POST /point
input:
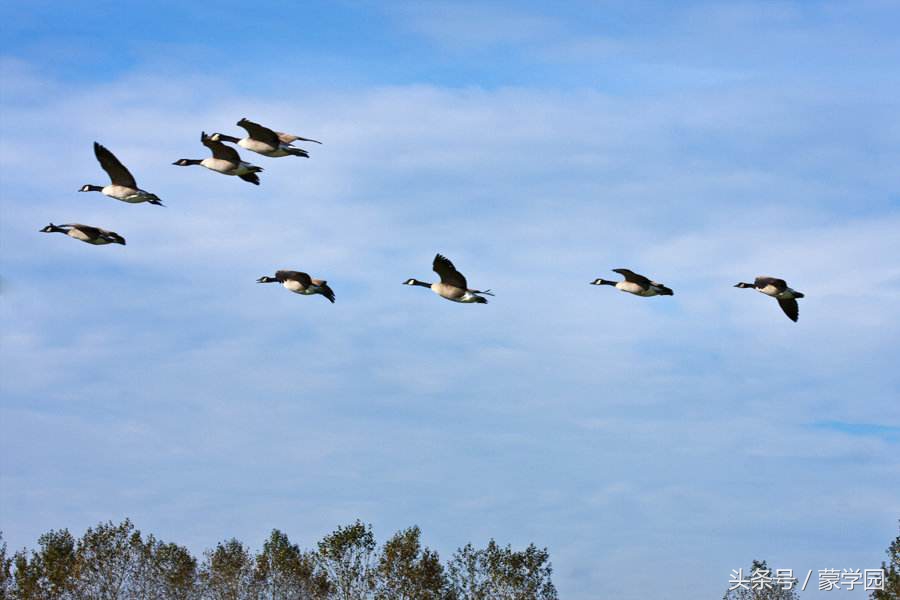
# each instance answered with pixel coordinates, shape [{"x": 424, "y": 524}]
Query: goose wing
[
  {"x": 289, "y": 138},
  {"x": 220, "y": 150},
  {"x": 790, "y": 308},
  {"x": 260, "y": 133},
  {"x": 325, "y": 290},
  {"x": 633, "y": 277},
  {"x": 88, "y": 230},
  {"x": 302, "y": 278},
  {"x": 448, "y": 273},
  {"x": 780, "y": 285},
  {"x": 117, "y": 172}
]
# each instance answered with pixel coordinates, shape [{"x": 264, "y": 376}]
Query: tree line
[{"x": 116, "y": 562}]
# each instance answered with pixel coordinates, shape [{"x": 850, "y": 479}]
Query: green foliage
[
  {"x": 115, "y": 562},
  {"x": 497, "y": 573},
  {"x": 406, "y": 571},
  {"x": 891, "y": 569},
  {"x": 284, "y": 571},
  {"x": 227, "y": 573},
  {"x": 347, "y": 556}
]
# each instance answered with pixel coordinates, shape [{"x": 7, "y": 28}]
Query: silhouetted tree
[
  {"x": 407, "y": 572},
  {"x": 497, "y": 573},
  {"x": 891, "y": 569}
]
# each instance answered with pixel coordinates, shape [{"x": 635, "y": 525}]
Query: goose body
[
  {"x": 300, "y": 283},
  {"x": 122, "y": 184},
  {"x": 453, "y": 285},
  {"x": 86, "y": 233},
  {"x": 265, "y": 141},
  {"x": 636, "y": 284},
  {"x": 224, "y": 160},
  {"x": 778, "y": 289}
]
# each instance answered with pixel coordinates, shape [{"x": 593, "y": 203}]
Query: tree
[
  {"x": 115, "y": 562},
  {"x": 891, "y": 570},
  {"x": 347, "y": 556},
  {"x": 110, "y": 560},
  {"x": 227, "y": 573},
  {"x": 407, "y": 572},
  {"x": 50, "y": 572},
  {"x": 6, "y": 577},
  {"x": 761, "y": 591},
  {"x": 497, "y": 573},
  {"x": 283, "y": 571},
  {"x": 171, "y": 572}
]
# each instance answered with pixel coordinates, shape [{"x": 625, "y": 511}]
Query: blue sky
[{"x": 538, "y": 147}]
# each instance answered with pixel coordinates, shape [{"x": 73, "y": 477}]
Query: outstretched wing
[
  {"x": 260, "y": 133},
  {"x": 289, "y": 138},
  {"x": 448, "y": 273},
  {"x": 780, "y": 285},
  {"x": 297, "y": 276},
  {"x": 117, "y": 172},
  {"x": 220, "y": 150},
  {"x": 634, "y": 278},
  {"x": 790, "y": 308}
]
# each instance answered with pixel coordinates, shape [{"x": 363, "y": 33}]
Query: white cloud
[{"x": 568, "y": 415}]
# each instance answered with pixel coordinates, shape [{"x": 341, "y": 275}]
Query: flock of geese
[{"x": 274, "y": 144}]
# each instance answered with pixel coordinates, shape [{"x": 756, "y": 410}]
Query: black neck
[
  {"x": 604, "y": 282},
  {"x": 421, "y": 283},
  {"x": 92, "y": 188}
]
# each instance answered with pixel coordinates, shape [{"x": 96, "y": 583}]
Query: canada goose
[
  {"x": 453, "y": 284},
  {"x": 86, "y": 233},
  {"x": 122, "y": 184},
  {"x": 225, "y": 160},
  {"x": 778, "y": 289},
  {"x": 300, "y": 283},
  {"x": 265, "y": 141},
  {"x": 635, "y": 284}
]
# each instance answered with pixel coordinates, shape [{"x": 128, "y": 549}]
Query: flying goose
[
  {"x": 778, "y": 289},
  {"x": 122, "y": 184},
  {"x": 300, "y": 283},
  {"x": 635, "y": 284},
  {"x": 225, "y": 160},
  {"x": 86, "y": 233},
  {"x": 265, "y": 141},
  {"x": 453, "y": 284}
]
